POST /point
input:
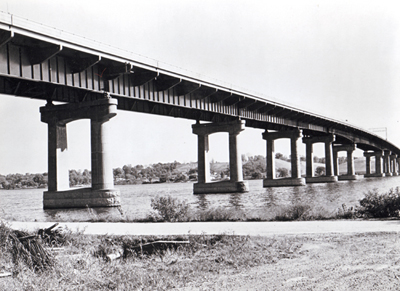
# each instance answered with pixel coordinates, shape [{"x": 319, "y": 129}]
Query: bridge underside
[{"x": 61, "y": 69}]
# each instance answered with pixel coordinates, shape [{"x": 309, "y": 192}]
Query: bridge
[{"x": 94, "y": 81}]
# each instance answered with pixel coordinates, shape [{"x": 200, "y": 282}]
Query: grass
[
  {"x": 82, "y": 265},
  {"x": 219, "y": 262}
]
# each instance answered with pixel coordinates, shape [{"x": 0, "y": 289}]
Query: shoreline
[{"x": 249, "y": 228}]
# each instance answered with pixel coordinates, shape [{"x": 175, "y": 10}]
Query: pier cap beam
[{"x": 231, "y": 127}]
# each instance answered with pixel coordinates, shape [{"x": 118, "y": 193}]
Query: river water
[{"x": 26, "y": 204}]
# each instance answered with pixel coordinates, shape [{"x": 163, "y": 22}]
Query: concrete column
[
  {"x": 58, "y": 172},
  {"x": 393, "y": 164},
  {"x": 378, "y": 163},
  {"x": 295, "y": 157},
  {"x": 203, "y": 168},
  {"x": 335, "y": 164},
  {"x": 350, "y": 163},
  {"x": 102, "y": 173},
  {"x": 235, "y": 159},
  {"x": 329, "y": 157},
  {"x": 270, "y": 159},
  {"x": 386, "y": 162},
  {"x": 309, "y": 160},
  {"x": 367, "y": 164}
]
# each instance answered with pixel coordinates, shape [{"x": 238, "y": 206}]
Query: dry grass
[
  {"x": 220, "y": 262},
  {"x": 82, "y": 265}
]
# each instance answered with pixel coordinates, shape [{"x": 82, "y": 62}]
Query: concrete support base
[
  {"x": 284, "y": 182},
  {"x": 322, "y": 179},
  {"x": 374, "y": 175},
  {"x": 395, "y": 174},
  {"x": 220, "y": 187},
  {"x": 388, "y": 174},
  {"x": 81, "y": 198},
  {"x": 350, "y": 177}
]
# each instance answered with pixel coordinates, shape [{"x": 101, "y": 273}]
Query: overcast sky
[{"x": 340, "y": 59}]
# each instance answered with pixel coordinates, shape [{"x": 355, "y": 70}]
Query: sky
[{"x": 340, "y": 59}]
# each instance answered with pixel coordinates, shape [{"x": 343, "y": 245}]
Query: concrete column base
[
  {"x": 395, "y": 174},
  {"x": 284, "y": 182},
  {"x": 388, "y": 174},
  {"x": 81, "y": 198},
  {"x": 350, "y": 177},
  {"x": 374, "y": 175},
  {"x": 322, "y": 179},
  {"x": 220, "y": 187}
]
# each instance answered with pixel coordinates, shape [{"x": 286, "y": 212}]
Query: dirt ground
[{"x": 368, "y": 261}]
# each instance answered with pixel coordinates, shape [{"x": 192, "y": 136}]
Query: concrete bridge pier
[
  {"x": 295, "y": 139},
  {"x": 204, "y": 184},
  {"x": 328, "y": 177},
  {"x": 386, "y": 163},
  {"x": 393, "y": 165},
  {"x": 102, "y": 193},
  {"x": 378, "y": 164},
  {"x": 397, "y": 163},
  {"x": 350, "y": 162}
]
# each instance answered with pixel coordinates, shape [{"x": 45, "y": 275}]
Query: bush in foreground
[
  {"x": 170, "y": 209},
  {"x": 376, "y": 205}
]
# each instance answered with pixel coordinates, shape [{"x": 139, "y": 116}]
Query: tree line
[{"x": 254, "y": 167}]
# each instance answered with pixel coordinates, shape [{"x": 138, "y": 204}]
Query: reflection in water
[
  {"x": 270, "y": 199},
  {"x": 296, "y": 197},
  {"x": 26, "y": 204},
  {"x": 235, "y": 200},
  {"x": 202, "y": 202}
]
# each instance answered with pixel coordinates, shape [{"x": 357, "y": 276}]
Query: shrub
[
  {"x": 381, "y": 205},
  {"x": 170, "y": 209},
  {"x": 320, "y": 171},
  {"x": 282, "y": 173}
]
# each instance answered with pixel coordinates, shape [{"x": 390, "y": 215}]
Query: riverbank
[
  {"x": 215, "y": 228},
  {"x": 320, "y": 255}
]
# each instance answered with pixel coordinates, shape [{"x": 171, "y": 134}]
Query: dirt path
[
  {"x": 238, "y": 228},
  {"x": 325, "y": 262}
]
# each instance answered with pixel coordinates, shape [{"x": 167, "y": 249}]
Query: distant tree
[
  {"x": 118, "y": 173},
  {"x": 282, "y": 173},
  {"x": 320, "y": 171},
  {"x": 278, "y": 156},
  {"x": 256, "y": 175},
  {"x": 127, "y": 169}
]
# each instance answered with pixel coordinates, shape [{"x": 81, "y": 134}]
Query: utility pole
[{"x": 379, "y": 129}]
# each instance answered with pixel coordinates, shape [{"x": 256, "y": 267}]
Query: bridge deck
[{"x": 45, "y": 63}]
